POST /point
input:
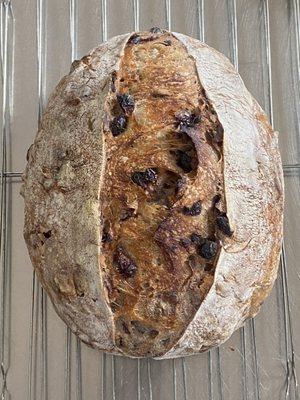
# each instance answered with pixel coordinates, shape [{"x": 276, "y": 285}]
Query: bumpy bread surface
[{"x": 117, "y": 211}]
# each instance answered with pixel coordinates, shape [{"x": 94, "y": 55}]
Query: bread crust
[{"x": 62, "y": 185}]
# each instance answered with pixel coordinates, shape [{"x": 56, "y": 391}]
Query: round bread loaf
[{"x": 154, "y": 197}]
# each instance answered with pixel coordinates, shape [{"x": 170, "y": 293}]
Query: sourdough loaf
[{"x": 154, "y": 197}]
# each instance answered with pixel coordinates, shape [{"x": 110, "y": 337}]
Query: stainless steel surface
[{"x": 39, "y": 357}]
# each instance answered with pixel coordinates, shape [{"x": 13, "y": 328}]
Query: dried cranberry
[
  {"x": 106, "y": 236},
  {"x": 208, "y": 249},
  {"x": 183, "y": 160},
  {"x": 208, "y": 267},
  {"x": 155, "y": 29},
  {"x": 118, "y": 125},
  {"x": 124, "y": 264},
  {"x": 126, "y": 102},
  {"x": 113, "y": 81},
  {"x": 223, "y": 224},
  {"x": 216, "y": 199},
  {"x": 143, "y": 178},
  {"x": 47, "y": 234},
  {"x": 135, "y": 39},
  {"x": 197, "y": 239},
  {"x": 183, "y": 116},
  {"x": 187, "y": 120},
  {"x": 184, "y": 242},
  {"x": 195, "y": 209}
]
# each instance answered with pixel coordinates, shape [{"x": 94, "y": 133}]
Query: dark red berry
[
  {"x": 208, "y": 249},
  {"x": 216, "y": 199},
  {"x": 47, "y": 234},
  {"x": 223, "y": 224},
  {"x": 143, "y": 178},
  {"x": 185, "y": 242},
  {"x": 126, "y": 102},
  {"x": 135, "y": 39},
  {"x": 197, "y": 239},
  {"x": 113, "y": 81},
  {"x": 183, "y": 115},
  {"x": 155, "y": 29},
  {"x": 208, "y": 267},
  {"x": 106, "y": 236},
  {"x": 195, "y": 209},
  {"x": 124, "y": 264},
  {"x": 187, "y": 120},
  {"x": 118, "y": 125}
]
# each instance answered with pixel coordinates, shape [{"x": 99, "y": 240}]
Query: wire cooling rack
[{"x": 40, "y": 358}]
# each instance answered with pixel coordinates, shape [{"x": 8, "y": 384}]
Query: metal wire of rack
[{"x": 148, "y": 379}]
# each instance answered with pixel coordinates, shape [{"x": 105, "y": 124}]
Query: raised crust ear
[
  {"x": 61, "y": 189},
  {"x": 253, "y": 181}
]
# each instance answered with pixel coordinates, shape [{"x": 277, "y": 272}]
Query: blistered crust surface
[
  {"x": 61, "y": 190},
  {"x": 253, "y": 181}
]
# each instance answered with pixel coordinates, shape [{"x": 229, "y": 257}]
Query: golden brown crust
[{"x": 76, "y": 187}]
